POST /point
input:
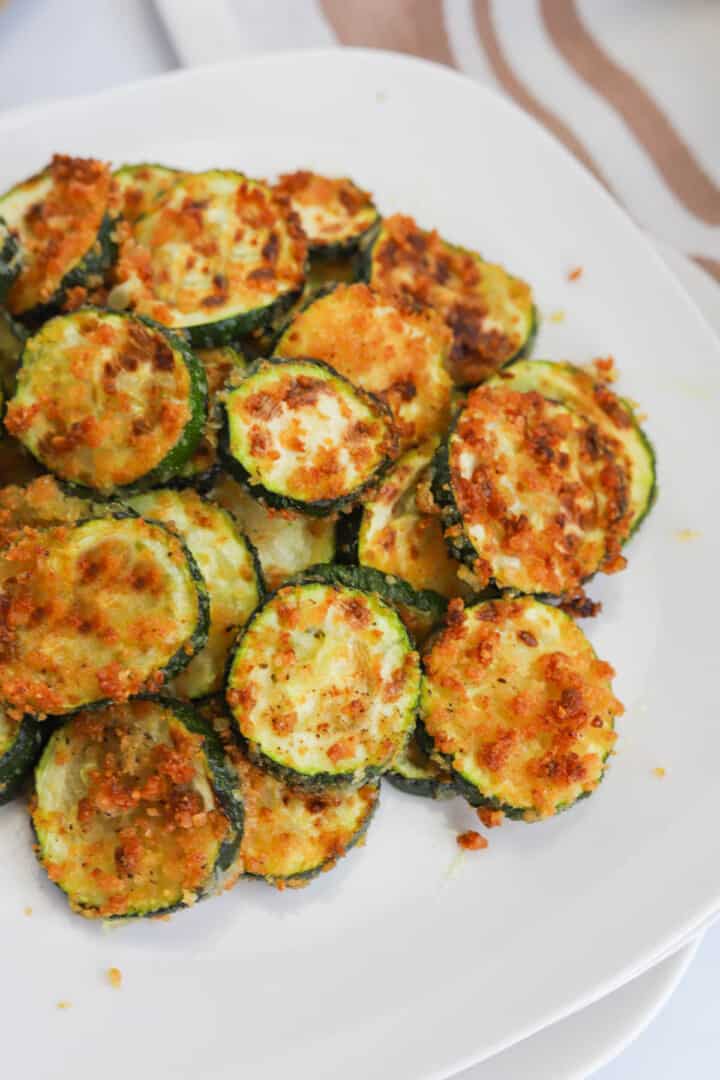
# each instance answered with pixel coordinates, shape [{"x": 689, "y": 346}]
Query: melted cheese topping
[
  {"x": 302, "y": 432},
  {"x": 489, "y": 312},
  {"x": 137, "y": 189},
  {"x": 227, "y": 566},
  {"x": 515, "y": 697},
  {"x": 286, "y": 542},
  {"x": 398, "y": 355},
  {"x": 101, "y": 399},
  {"x": 218, "y": 246},
  {"x": 613, "y": 417},
  {"x": 57, "y": 216},
  {"x": 330, "y": 210},
  {"x": 398, "y": 538},
  {"x": 538, "y": 491},
  {"x": 91, "y": 612},
  {"x": 324, "y": 681},
  {"x": 126, "y": 815}
]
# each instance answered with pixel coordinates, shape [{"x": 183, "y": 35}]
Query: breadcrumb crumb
[
  {"x": 659, "y": 772},
  {"x": 683, "y": 535},
  {"x": 64, "y": 1004},
  {"x": 490, "y": 818},
  {"x": 472, "y": 841},
  {"x": 27, "y": 911},
  {"x": 556, "y": 316},
  {"x": 575, "y": 274},
  {"x": 115, "y": 977}
]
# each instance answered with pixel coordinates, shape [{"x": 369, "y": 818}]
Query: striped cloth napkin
[{"x": 631, "y": 87}]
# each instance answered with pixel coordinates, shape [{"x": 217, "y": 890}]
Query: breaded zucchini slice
[
  {"x": 21, "y": 739},
  {"x": 286, "y": 542},
  {"x": 323, "y": 685},
  {"x": 43, "y": 503},
  {"x": 516, "y": 702},
  {"x": 64, "y": 229},
  {"x": 400, "y": 355},
  {"x": 96, "y": 612},
  {"x": 490, "y": 313},
  {"x": 398, "y": 537},
  {"x": 229, "y": 565},
  {"x": 301, "y": 437},
  {"x": 107, "y": 402},
  {"x": 218, "y": 256},
  {"x": 531, "y": 494},
  {"x": 135, "y": 810},
  {"x": 416, "y": 773},
  {"x": 137, "y": 189},
  {"x": 334, "y": 212},
  {"x": 614, "y": 417}
]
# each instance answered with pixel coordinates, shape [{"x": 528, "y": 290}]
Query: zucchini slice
[
  {"x": 217, "y": 257},
  {"x": 286, "y": 543},
  {"x": 530, "y": 492},
  {"x": 62, "y": 222},
  {"x": 96, "y": 612},
  {"x": 137, "y": 189},
  {"x": 135, "y": 811},
  {"x": 614, "y": 418},
  {"x": 399, "y": 355},
  {"x": 334, "y": 212},
  {"x": 20, "y": 743},
  {"x": 107, "y": 402},
  {"x": 232, "y": 575},
  {"x": 221, "y": 365},
  {"x": 420, "y": 609},
  {"x": 516, "y": 702},
  {"x": 399, "y": 538},
  {"x": 416, "y": 773},
  {"x": 323, "y": 685},
  {"x": 300, "y": 436},
  {"x": 43, "y": 503},
  {"x": 490, "y": 312},
  {"x": 10, "y": 260}
]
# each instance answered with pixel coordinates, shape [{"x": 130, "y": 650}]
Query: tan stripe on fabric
[
  {"x": 672, "y": 157},
  {"x": 513, "y": 86},
  {"x": 710, "y": 266},
  {"x": 409, "y": 26}
]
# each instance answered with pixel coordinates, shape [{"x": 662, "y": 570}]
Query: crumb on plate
[
  {"x": 27, "y": 911},
  {"x": 115, "y": 977},
  {"x": 659, "y": 771},
  {"x": 683, "y": 535},
  {"x": 556, "y": 316},
  {"x": 64, "y": 1004},
  {"x": 575, "y": 274},
  {"x": 471, "y": 841}
]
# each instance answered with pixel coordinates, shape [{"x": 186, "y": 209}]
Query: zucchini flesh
[
  {"x": 323, "y": 685},
  {"x": 397, "y": 354},
  {"x": 416, "y": 773},
  {"x": 96, "y": 612},
  {"x": 286, "y": 543},
  {"x": 137, "y": 189},
  {"x": 300, "y": 436},
  {"x": 228, "y": 565},
  {"x": 613, "y": 416},
  {"x": 515, "y": 700},
  {"x": 530, "y": 492},
  {"x": 490, "y": 312},
  {"x": 397, "y": 537},
  {"x": 420, "y": 609},
  {"x": 61, "y": 220},
  {"x": 107, "y": 402},
  {"x": 334, "y": 212},
  {"x": 134, "y": 810},
  {"x": 10, "y": 260},
  {"x": 20, "y": 742},
  {"x": 217, "y": 257}
]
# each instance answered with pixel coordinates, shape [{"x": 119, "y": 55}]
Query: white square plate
[{"x": 409, "y": 960}]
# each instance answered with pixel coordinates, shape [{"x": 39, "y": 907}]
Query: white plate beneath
[{"x": 406, "y": 956}]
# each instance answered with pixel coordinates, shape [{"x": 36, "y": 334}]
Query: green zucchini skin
[
  {"x": 12, "y": 339},
  {"x": 315, "y": 507},
  {"x": 424, "y": 778},
  {"x": 458, "y": 545},
  {"x": 233, "y": 330},
  {"x": 10, "y": 260},
  {"x": 19, "y": 758}
]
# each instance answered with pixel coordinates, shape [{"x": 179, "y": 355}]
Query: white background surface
[{"x": 123, "y": 40}]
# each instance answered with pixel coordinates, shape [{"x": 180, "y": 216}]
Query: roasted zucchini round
[
  {"x": 530, "y": 492},
  {"x": 334, "y": 212},
  {"x": 516, "y": 702},
  {"x": 61, "y": 220},
  {"x": 135, "y": 811},
  {"x": 299, "y": 436},
  {"x": 218, "y": 256},
  {"x": 107, "y": 402},
  {"x": 323, "y": 685},
  {"x": 395, "y": 353},
  {"x": 96, "y": 612},
  {"x": 137, "y": 189},
  {"x": 490, "y": 313},
  {"x": 232, "y": 576}
]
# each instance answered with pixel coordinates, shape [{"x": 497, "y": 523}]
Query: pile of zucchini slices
[{"x": 285, "y": 510}]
